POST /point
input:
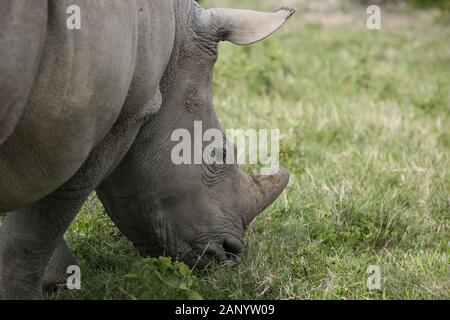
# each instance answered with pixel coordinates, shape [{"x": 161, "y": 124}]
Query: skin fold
[{"x": 99, "y": 116}]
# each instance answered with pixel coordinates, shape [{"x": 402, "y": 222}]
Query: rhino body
[
  {"x": 93, "y": 110},
  {"x": 64, "y": 90}
]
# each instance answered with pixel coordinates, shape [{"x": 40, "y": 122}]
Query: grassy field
[{"x": 365, "y": 122}]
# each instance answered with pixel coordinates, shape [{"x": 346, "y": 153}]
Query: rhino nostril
[{"x": 233, "y": 246}]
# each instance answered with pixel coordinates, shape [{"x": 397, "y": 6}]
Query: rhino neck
[{"x": 186, "y": 86}]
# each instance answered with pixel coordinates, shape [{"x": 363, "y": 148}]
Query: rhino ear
[{"x": 245, "y": 27}]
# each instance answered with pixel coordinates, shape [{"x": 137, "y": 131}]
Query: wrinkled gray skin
[{"x": 78, "y": 114}]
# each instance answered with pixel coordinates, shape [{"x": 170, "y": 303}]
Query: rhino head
[{"x": 195, "y": 212}]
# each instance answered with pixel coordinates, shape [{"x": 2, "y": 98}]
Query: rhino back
[{"x": 86, "y": 81}]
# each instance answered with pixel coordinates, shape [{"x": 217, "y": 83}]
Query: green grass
[{"x": 365, "y": 121}]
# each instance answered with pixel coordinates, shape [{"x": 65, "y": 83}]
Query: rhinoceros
[{"x": 93, "y": 109}]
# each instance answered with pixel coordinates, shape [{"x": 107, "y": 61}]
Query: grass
[{"x": 365, "y": 122}]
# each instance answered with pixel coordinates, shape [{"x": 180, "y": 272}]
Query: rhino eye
[
  {"x": 220, "y": 155},
  {"x": 214, "y": 172}
]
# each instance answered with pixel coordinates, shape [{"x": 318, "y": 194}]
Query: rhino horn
[
  {"x": 244, "y": 27},
  {"x": 265, "y": 189}
]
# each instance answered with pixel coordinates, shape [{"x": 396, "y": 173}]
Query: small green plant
[{"x": 156, "y": 278}]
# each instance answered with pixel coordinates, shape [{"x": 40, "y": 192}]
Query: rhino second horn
[{"x": 265, "y": 189}]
